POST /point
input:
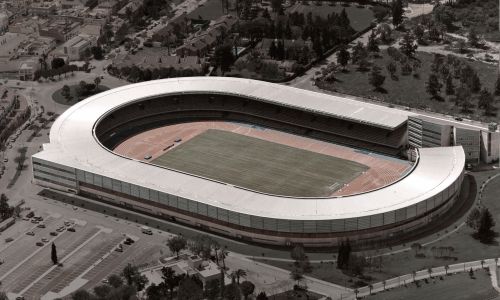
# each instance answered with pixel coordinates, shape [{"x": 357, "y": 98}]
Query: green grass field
[{"x": 260, "y": 165}]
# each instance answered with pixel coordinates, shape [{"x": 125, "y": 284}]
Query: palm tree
[
  {"x": 222, "y": 255},
  {"x": 43, "y": 61},
  {"x": 97, "y": 81},
  {"x": 239, "y": 273}
]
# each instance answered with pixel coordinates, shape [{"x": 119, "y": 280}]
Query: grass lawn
[
  {"x": 360, "y": 17},
  {"x": 59, "y": 98},
  {"x": 408, "y": 90},
  {"x": 261, "y": 165},
  {"x": 456, "y": 287}
]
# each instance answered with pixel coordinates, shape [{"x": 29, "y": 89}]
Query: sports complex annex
[{"x": 80, "y": 159}]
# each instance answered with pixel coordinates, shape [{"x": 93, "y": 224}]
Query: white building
[{"x": 75, "y": 47}]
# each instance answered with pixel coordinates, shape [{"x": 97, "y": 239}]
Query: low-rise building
[
  {"x": 75, "y": 47},
  {"x": 43, "y": 8},
  {"x": 61, "y": 30}
]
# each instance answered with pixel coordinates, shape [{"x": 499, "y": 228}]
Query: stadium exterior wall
[
  {"x": 75, "y": 161},
  {"x": 314, "y": 233}
]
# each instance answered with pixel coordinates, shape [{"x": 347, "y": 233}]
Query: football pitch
[{"x": 260, "y": 165}]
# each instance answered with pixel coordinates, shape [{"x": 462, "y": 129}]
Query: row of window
[{"x": 180, "y": 203}]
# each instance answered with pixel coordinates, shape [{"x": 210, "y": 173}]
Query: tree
[
  {"x": 486, "y": 101},
  {"x": 343, "y": 57},
  {"x": 358, "y": 52},
  {"x": 376, "y": 78},
  {"x": 6, "y": 211},
  {"x": 81, "y": 295},
  {"x": 115, "y": 281},
  {"x": 473, "y": 37},
  {"x": 391, "y": 68},
  {"x": 450, "y": 88},
  {"x": 97, "y": 52},
  {"x": 57, "y": 63},
  {"x": 232, "y": 292},
  {"x": 373, "y": 43},
  {"x": 419, "y": 32},
  {"x": 176, "y": 244},
  {"x": 385, "y": 32},
  {"x": 397, "y": 13},
  {"x": 272, "y": 50},
  {"x": 224, "y": 57},
  {"x": 189, "y": 290},
  {"x": 433, "y": 86},
  {"x": 102, "y": 291},
  {"x": 212, "y": 289},
  {"x": 462, "y": 97},
  {"x": 297, "y": 274},
  {"x": 66, "y": 92},
  {"x": 298, "y": 253},
  {"x": 408, "y": 45},
  {"x": 497, "y": 86},
  {"x": 485, "y": 233},
  {"x": 133, "y": 277},
  {"x": 247, "y": 288},
  {"x": 170, "y": 279},
  {"x": 238, "y": 274},
  {"x": 53, "y": 254},
  {"x": 97, "y": 81}
]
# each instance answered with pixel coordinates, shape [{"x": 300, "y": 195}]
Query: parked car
[
  {"x": 60, "y": 229},
  {"x": 53, "y": 233},
  {"x": 146, "y": 230},
  {"x": 39, "y": 244},
  {"x": 34, "y": 221},
  {"x": 71, "y": 229},
  {"x": 30, "y": 233},
  {"x": 41, "y": 225},
  {"x": 45, "y": 240},
  {"x": 30, "y": 214}
]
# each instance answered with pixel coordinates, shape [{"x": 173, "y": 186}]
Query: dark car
[
  {"x": 39, "y": 244},
  {"x": 30, "y": 214},
  {"x": 71, "y": 229},
  {"x": 53, "y": 233}
]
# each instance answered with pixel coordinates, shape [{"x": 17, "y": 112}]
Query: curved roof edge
[{"x": 72, "y": 144}]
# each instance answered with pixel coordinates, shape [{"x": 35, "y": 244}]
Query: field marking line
[{"x": 62, "y": 260}]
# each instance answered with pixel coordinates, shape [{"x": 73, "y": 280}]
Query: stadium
[{"x": 252, "y": 160}]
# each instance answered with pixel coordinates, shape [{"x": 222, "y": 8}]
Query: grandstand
[{"x": 81, "y": 157}]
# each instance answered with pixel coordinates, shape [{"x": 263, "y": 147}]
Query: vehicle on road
[
  {"x": 146, "y": 230},
  {"x": 53, "y": 233},
  {"x": 39, "y": 244},
  {"x": 61, "y": 229},
  {"x": 71, "y": 229},
  {"x": 45, "y": 240},
  {"x": 30, "y": 233}
]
